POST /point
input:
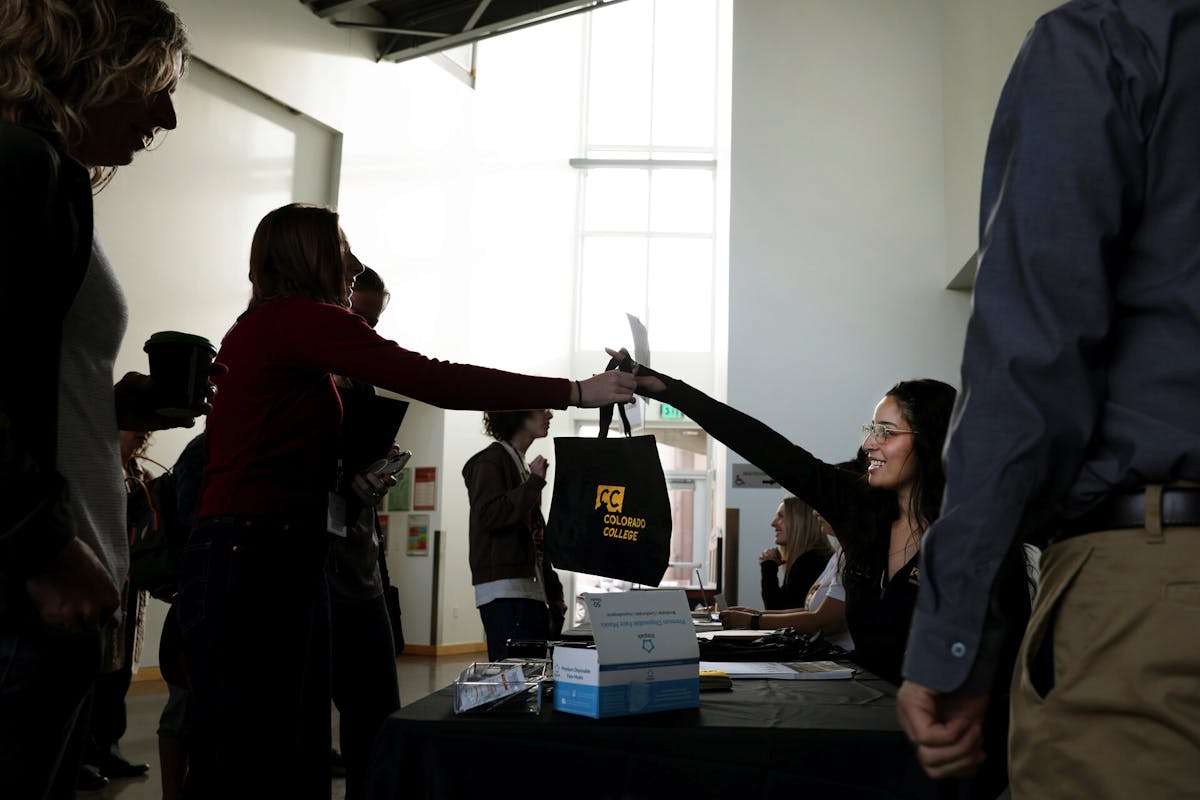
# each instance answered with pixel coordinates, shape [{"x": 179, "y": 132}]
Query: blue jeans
[
  {"x": 364, "y": 682},
  {"x": 254, "y": 611},
  {"x": 512, "y": 618},
  {"x": 45, "y": 677}
]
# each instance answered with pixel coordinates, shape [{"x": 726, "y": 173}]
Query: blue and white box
[{"x": 645, "y": 659}]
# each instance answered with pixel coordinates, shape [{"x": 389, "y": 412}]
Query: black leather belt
[{"x": 1180, "y": 508}]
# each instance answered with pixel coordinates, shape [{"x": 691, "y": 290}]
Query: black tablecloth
[{"x": 769, "y": 739}]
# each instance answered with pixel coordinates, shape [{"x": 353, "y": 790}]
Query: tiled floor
[{"x": 418, "y": 676}]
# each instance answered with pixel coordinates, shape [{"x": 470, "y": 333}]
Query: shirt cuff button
[{"x": 958, "y": 649}]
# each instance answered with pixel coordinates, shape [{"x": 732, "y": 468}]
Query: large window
[
  {"x": 647, "y": 222},
  {"x": 647, "y": 174}
]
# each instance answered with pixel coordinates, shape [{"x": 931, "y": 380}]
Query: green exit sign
[{"x": 669, "y": 412}]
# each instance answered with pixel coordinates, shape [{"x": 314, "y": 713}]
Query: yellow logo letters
[{"x": 613, "y": 497}]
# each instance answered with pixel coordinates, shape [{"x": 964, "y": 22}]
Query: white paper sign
[
  {"x": 748, "y": 476},
  {"x": 632, "y": 627}
]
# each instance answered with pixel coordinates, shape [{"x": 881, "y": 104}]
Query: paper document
[{"x": 793, "y": 671}]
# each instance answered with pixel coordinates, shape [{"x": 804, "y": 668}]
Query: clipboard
[{"x": 370, "y": 423}]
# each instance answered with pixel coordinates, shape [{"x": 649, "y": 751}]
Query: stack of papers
[{"x": 794, "y": 671}]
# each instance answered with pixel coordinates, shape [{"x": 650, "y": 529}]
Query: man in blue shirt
[{"x": 1080, "y": 418}]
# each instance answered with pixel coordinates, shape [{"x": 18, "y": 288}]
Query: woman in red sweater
[{"x": 254, "y": 604}]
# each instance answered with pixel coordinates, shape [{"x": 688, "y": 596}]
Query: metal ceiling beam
[
  {"x": 482, "y": 7},
  {"x": 367, "y": 26},
  {"x": 446, "y": 42},
  {"x": 338, "y": 8}
]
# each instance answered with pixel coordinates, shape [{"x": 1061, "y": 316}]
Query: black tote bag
[{"x": 611, "y": 515}]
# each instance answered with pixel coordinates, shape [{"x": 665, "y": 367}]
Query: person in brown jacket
[{"x": 516, "y": 589}]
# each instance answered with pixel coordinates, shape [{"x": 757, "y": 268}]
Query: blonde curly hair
[{"x": 62, "y": 58}]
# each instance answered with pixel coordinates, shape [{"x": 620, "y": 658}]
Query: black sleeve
[
  {"x": 41, "y": 231},
  {"x": 772, "y": 592},
  {"x": 803, "y": 575},
  {"x": 841, "y": 497},
  {"x": 188, "y": 471},
  {"x": 1063, "y": 177}
]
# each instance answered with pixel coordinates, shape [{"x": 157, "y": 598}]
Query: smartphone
[{"x": 390, "y": 465}]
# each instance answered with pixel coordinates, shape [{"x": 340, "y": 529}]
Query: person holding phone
[
  {"x": 516, "y": 588},
  {"x": 254, "y": 587},
  {"x": 363, "y": 666}
]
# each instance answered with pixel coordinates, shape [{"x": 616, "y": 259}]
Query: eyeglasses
[{"x": 881, "y": 432}]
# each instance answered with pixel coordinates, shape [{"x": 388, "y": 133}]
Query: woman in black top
[
  {"x": 800, "y": 548},
  {"x": 880, "y": 521}
]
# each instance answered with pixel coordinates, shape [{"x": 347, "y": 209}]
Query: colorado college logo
[{"x": 612, "y": 498}]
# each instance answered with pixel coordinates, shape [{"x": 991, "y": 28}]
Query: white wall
[
  {"x": 837, "y": 225},
  {"x": 280, "y": 48},
  {"x": 980, "y": 38}
]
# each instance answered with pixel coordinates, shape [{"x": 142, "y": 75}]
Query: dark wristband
[
  {"x": 579, "y": 395},
  {"x": 755, "y": 622}
]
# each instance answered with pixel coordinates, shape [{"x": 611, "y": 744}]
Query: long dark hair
[
  {"x": 926, "y": 405},
  {"x": 298, "y": 251}
]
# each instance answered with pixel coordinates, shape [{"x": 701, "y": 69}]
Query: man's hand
[
  {"x": 76, "y": 592},
  {"x": 539, "y": 466},
  {"x": 947, "y": 729}
]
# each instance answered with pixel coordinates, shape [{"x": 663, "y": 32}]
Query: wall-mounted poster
[
  {"x": 424, "y": 489},
  {"x": 418, "y": 535},
  {"x": 399, "y": 497}
]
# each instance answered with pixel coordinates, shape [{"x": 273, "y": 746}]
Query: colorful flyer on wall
[
  {"x": 418, "y": 535},
  {"x": 400, "y": 496},
  {"x": 424, "y": 489}
]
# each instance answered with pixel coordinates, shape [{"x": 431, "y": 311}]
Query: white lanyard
[{"x": 522, "y": 467}]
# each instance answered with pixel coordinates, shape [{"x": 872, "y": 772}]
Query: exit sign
[{"x": 669, "y": 412}]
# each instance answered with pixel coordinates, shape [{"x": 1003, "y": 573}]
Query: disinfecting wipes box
[{"x": 645, "y": 659}]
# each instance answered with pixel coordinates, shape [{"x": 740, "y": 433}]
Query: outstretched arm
[
  {"x": 828, "y": 618},
  {"x": 833, "y": 492}
]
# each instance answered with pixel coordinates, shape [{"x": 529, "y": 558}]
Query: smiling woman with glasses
[{"x": 880, "y": 520}]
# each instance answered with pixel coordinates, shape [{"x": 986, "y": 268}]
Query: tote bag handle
[{"x": 624, "y": 364}]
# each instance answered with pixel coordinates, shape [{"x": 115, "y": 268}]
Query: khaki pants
[{"x": 1121, "y": 718}]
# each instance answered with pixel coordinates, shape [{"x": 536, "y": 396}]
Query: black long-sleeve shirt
[
  {"x": 793, "y": 592},
  {"x": 877, "y": 610},
  {"x": 1081, "y": 370}
]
